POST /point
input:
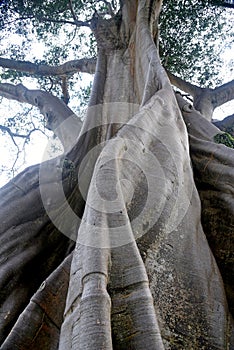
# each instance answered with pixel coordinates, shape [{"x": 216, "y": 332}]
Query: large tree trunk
[{"x": 142, "y": 273}]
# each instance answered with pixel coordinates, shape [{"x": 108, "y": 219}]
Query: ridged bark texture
[{"x": 142, "y": 274}]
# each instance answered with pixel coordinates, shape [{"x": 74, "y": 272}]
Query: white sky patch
[
  {"x": 38, "y": 50},
  {"x": 224, "y": 111}
]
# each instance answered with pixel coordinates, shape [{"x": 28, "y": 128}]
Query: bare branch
[
  {"x": 83, "y": 65},
  {"x": 13, "y": 134},
  {"x": 220, "y": 94},
  {"x": 76, "y": 23},
  {"x": 201, "y": 97},
  {"x": 223, "y": 3},
  {"x": 51, "y": 20}
]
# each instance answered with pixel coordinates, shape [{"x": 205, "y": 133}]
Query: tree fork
[
  {"x": 205, "y": 99},
  {"x": 184, "y": 285}
]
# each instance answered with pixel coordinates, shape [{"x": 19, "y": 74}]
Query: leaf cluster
[
  {"x": 193, "y": 33},
  {"x": 192, "y": 37},
  {"x": 225, "y": 139}
]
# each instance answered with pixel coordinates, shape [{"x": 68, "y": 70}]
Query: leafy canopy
[{"x": 192, "y": 35}]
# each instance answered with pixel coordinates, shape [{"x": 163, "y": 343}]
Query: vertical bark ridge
[
  {"x": 139, "y": 187},
  {"x": 134, "y": 323},
  {"x": 38, "y": 326},
  {"x": 213, "y": 169},
  {"x": 141, "y": 54},
  {"x": 87, "y": 314},
  {"x": 31, "y": 248}
]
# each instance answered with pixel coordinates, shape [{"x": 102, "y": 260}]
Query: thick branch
[
  {"x": 205, "y": 100},
  {"x": 223, "y": 94},
  {"x": 54, "y": 110},
  {"x": 226, "y": 4},
  {"x": 84, "y": 65},
  {"x": 227, "y": 124},
  {"x": 183, "y": 85},
  {"x": 201, "y": 97}
]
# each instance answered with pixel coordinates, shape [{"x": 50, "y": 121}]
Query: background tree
[{"x": 142, "y": 274}]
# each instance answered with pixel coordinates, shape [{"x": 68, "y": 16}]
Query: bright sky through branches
[{"x": 33, "y": 151}]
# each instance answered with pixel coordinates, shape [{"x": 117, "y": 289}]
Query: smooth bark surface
[
  {"x": 142, "y": 274},
  {"x": 205, "y": 100},
  {"x": 85, "y": 65},
  {"x": 39, "y": 324},
  {"x": 227, "y": 124},
  {"x": 213, "y": 171}
]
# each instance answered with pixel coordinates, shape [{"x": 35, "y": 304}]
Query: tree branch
[
  {"x": 205, "y": 100},
  {"x": 223, "y": 94},
  {"x": 72, "y": 10},
  {"x": 76, "y": 22},
  {"x": 54, "y": 110},
  {"x": 224, "y": 3},
  {"x": 83, "y": 65},
  {"x": 183, "y": 85},
  {"x": 226, "y": 125},
  {"x": 47, "y": 19},
  {"x": 13, "y": 134}
]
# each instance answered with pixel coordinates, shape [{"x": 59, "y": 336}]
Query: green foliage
[
  {"x": 48, "y": 22},
  {"x": 224, "y": 138},
  {"x": 25, "y": 23},
  {"x": 192, "y": 33},
  {"x": 192, "y": 36}
]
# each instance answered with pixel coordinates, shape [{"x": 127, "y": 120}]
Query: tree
[{"x": 113, "y": 227}]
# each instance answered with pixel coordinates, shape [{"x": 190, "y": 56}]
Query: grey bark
[
  {"x": 226, "y": 125},
  {"x": 177, "y": 256},
  {"x": 213, "y": 170},
  {"x": 84, "y": 65},
  {"x": 205, "y": 100},
  {"x": 142, "y": 273},
  {"x": 56, "y": 113},
  {"x": 42, "y": 330}
]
